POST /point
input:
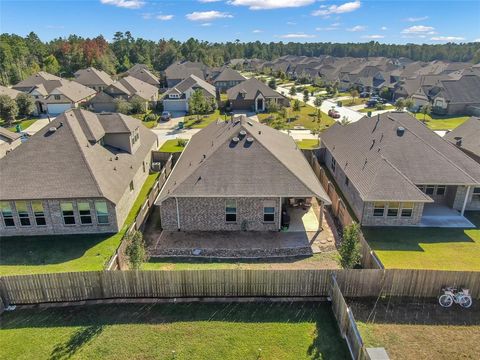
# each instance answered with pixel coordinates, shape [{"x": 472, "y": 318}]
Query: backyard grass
[
  {"x": 306, "y": 118},
  {"x": 25, "y": 123},
  {"x": 437, "y": 122},
  {"x": 387, "y": 107},
  {"x": 308, "y": 144},
  {"x": 201, "y": 121},
  {"x": 267, "y": 331},
  {"x": 171, "y": 146},
  {"x": 317, "y": 261},
  {"x": 62, "y": 253},
  {"x": 428, "y": 248}
]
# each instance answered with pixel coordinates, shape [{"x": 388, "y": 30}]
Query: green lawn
[
  {"x": 436, "y": 122},
  {"x": 308, "y": 144},
  {"x": 62, "y": 253},
  {"x": 195, "y": 122},
  {"x": 171, "y": 146},
  {"x": 266, "y": 331},
  {"x": 306, "y": 118},
  {"x": 149, "y": 124},
  {"x": 428, "y": 248},
  {"x": 387, "y": 107},
  {"x": 357, "y": 101},
  {"x": 25, "y": 123}
]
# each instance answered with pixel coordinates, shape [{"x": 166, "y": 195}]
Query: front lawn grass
[
  {"x": 267, "y": 331},
  {"x": 24, "y": 123},
  {"x": 171, "y": 146},
  {"x": 438, "y": 122},
  {"x": 357, "y": 101},
  {"x": 387, "y": 107},
  {"x": 428, "y": 248},
  {"x": 306, "y": 118},
  {"x": 65, "y": 253},
  {"x": 201, "y": 121},
  {"x": 308, "y": 144}
]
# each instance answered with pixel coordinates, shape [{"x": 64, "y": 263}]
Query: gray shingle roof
[
  {"x": 229, "y": 74},
  {"x": 251, "y": 88},
  {"x": 467, "y": 135},
  {"x": 11, "y": 93},
  {"x": 10, "y": 135},
  {"x": 465, "y": 90},
  {"x": 184, "y": 70},
  {"x": 192, "y": 81},
  {"x": 384, "y": 166},
  {"x": 91, "y": 76},
  {"x": 141, "y": 72},
  {"x": 139, "y": 87},
  {"x": 271, "y": 165},
  {"x": 68, "y": 164}
]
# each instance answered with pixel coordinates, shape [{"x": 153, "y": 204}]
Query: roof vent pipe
[{"x": 400, "y": 131}]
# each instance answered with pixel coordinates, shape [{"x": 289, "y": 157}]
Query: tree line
[{"x": 22, "y": 56}]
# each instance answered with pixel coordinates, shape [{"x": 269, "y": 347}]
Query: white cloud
[
  {"x": 337, "y": 9},
  {"x": 373, "y": 36},
  {"x": 209, "y": 1},
  {"x": 206, "y": 24},
  {"x": 383, "y": 28},
  {"x": 207, "y": 15},
  {"x": 270, "y": 4},
  {"x": 296, "y": 36},
  {"x": 335, "y": 24},
  {"x": 476, "y": 40},
  {"x": 291, "y": 23},
  {"x": 416, "y": 19},
  {"x": 447, "y": 38},
  {"x": 128, "y": 4},
  {"x": 164, "y": 17},
  {"x": 357, "y": 28},
  {"x": 419, "y": 29},
  {"x": 256, "y": 31}
]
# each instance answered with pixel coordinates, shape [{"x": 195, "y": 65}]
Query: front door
[{"x": 260, "y": 104}]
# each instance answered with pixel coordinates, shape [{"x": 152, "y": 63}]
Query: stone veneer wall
[
  {"x": 473, "y": 202},
  {"x": 54, "y": 220},
  {"x": 370, "y": 220},
  {"x": 208, "y": 214}
]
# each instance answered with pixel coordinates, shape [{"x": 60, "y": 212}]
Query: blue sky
[{"x": 399, "y": 21}]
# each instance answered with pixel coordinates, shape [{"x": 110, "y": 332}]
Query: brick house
[
  {"x": 467, "y": 137},
  {"x": 227, "y": 79},
  {"x": 177, "y": 97},
  {"x": 394, "y": 171},
  {"x": 80, "y": 174},
  {"x": 254, "y": 95},
  {"x": 236, "y": 175}
]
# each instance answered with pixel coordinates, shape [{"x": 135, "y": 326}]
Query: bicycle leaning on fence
[{"x": 452, "y": 295}]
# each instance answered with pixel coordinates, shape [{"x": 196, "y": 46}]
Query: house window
[
  {"x": 131, "y": 185},
  {"x": 56, "y": 97},
  {"x": 39, "y": 213},
  {"x": 441, "y": 189},
  {"x": 421, "y": 188},
  {"x": 67, "y": 213},
  {"x": 393, "y": 209},
  {"x": 476, "y": 191},
  {"x": 102, "y": 212},
  {"x": 84, "y": 211},
  {"x": 268, "y": 213},
  {"x": 231, "y": 210},
  {"x": 7, "y": 214},
  {"x": 407, "y": 209},
  {"x": 347, "y": 180},
  {"x": 378, "y": 209},
  {"x": 429, "y": 189},
  {"x": 22, "y": 212},
  {"x": 333, "y": 164}
]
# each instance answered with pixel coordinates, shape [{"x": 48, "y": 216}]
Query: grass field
[
  {"x": 306, "y": 118},
  {"x": 25, "y": 123},
  {"x": 174, "y": 331},
  {"x": 357, "y": 101},
  {"x": 308, "y": 144},
  {"x": 428, "y": 248},
  {"x": 387, "y": 107},
  {"x": 62, "y": 253},
  {"x": 191, "y": 121},
  {"x": 317, "y": 261},
  {"x": 436, "y": 122},
  {"x": 171, "y": 146}
]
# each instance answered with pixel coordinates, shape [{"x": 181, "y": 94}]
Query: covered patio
[{"x": 437, "y": 215}]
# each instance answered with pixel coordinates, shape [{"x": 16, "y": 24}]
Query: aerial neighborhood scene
[{"x": 242, "y": 179}]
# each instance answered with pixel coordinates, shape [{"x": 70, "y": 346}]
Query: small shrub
[
  {"x": 350, "y": 255},
  {"x": 150, "y": 117},
  {"x": 182, "y": 142},
  {"x": 135, "y": 250}
]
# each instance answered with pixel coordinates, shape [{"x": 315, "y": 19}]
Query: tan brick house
[
  {"x": 236, "y": 175},
  {"x": 80, "y": 174}
]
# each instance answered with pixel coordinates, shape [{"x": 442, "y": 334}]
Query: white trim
[
  {"x": 465, "y": 200},
  {"x": 178, "y": 214}
]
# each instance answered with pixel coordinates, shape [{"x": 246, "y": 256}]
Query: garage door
[
  {"x": 175, "y": 105},
  {"x": 56, "y": 109}
]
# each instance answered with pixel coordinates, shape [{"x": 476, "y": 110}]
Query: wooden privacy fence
[{"x": 59, "y": 287}]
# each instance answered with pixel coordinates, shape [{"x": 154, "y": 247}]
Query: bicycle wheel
[
  {"x": 445, "y": 300},
  {"x": 465, "y": 301}
]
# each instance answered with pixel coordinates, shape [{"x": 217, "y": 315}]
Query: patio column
[
  {"x": 465, "y": 200},
  {"x": 320, "y": 217}
]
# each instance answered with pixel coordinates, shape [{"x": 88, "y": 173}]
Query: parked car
[
  {"x": 364, "y": 94},
  {"x": 378, "y": 99},
  {"x": 165, "y": 116},
  {"x": 371, "y": 103},
  {"x": 333, "y": 113}
]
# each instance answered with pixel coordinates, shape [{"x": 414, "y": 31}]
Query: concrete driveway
[
  {"x": 37, "y": 125},
  {"x": 172, "y": 123}
]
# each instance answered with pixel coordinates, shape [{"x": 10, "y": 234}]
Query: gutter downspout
[
  {"x": 178, "y": 214},
  {"x": 465, "y": 200},
  {"x": 280, "y": 214}
]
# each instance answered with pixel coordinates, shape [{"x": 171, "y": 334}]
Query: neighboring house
[
  {"x": 179, "y": 71},
  {"x": 54, "y": 95},
  {"x": 467, "y": 137},
  {"x": 176, "y": 98},
  {"x": 11, "y": 93},
  {"x": 93, "y": 78},
  {"x": 236, "y": 175},
  {"x": 254, "y": 95},
  {"x": 457, "y": 96},
  {"x": 126, "y": 88},
  {"x": 8, "y": 141},
  {"x": 141, "y": 72},
  {"x": 227, "y": 79},
  {"x": 80, "y": 174},
  {"x": 394, "y": 171}
]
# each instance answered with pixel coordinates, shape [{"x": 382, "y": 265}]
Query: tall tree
[
  {"x": 25, "y": 104},
  {"x": 8, "y": 109}
]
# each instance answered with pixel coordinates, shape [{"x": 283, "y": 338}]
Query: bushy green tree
[
  {"x": 198, "y": 104},
  {"x": 122, "y": 106},
  {"x": 26, "y": 104},
  {"x": 400, "y": 104},
  {"x": 306, "y": 96},
  {"x": 135, "y": 250},
  {"x": 349, "y": 251},
  {"x": 51, "y": 64},
  {"x": 272, "y": 83},
  {"x": 409, "y": 103},
  {"x": 426, "y": 110},
  {"x": 293, "y": 91},
  {"x": 137, "y": 105},
  {"x": 296, "y": 105},
  {"x": 8, "y": 109},
  {"x": 353, "y": 94}
]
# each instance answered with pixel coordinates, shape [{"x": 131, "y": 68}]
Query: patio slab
[{"x": 435, "y": 215}]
